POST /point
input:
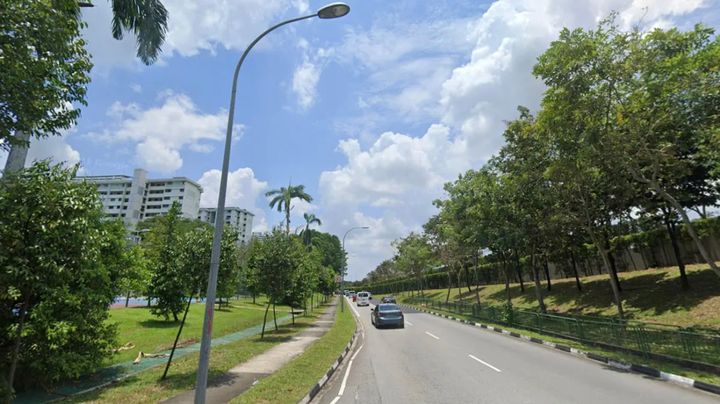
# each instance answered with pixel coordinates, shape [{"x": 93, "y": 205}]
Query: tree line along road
[{"x": 433, "y": 360}]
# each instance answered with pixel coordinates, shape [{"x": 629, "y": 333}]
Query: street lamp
[
  {"x": 333, "y": 10},
  {"x": 342, "y": 276}
]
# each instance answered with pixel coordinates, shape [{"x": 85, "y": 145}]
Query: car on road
[
  {"x": 363, "y": 299},
  {"x": 389, "y": 299},
  {"x": 387, "y": 314}
]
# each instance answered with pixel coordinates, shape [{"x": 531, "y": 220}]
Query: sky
[{"x": 372, "y": 112}]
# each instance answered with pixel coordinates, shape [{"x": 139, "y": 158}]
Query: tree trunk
[
  {"x": 690, "y": 228},
  {"x": 459, "y": 284},
  {"x": 632, "y": 260},
  {"x": 275, "y": 317},
  {"x": 518, "y": 269},
  {"x": 292, "y": 313},
  {"x": 253, "y": 296},
  {"x": 606, "y": 261},
  {"x": 611, "y": 259},
  {"x": 684, "y": 283},
  {"x": 507, "y": 285},
  {"x": 127, "y": 299},
  {"x": 536, "y": 279},
  {"x": 477, "y": 282},
  {"x": 547, "y": 273},
  {"x": 447, "y": 297},
  {"x": 262, "y": 333},
  {"x": 177, "y": 337},
  {"x": 467, "y": 277},
  {"x": 575, "y": 271},
  {"x": 287, "y": 218},
  {"x": 18, "y": 341}
]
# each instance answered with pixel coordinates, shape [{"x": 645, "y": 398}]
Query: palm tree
[
  {"x": 310, "y": 218},
  {"x": 282, "y": 199},
  {"x": 147, "y": 19}
]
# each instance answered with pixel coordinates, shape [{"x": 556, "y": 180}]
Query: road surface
[{"x": 433, "y": 360}]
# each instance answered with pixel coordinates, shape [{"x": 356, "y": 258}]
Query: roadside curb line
[
  {"x": 629, "y": 367},
  {"x": 323, "y": 380}
]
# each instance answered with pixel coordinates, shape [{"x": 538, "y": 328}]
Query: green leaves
[
  {"x": 54, "y": 277},
  {"x": 44, "y": 68}
]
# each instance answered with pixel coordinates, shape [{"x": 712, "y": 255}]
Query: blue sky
[{"x": 373, "y": 112}]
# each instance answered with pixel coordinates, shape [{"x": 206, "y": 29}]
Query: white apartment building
[
  {"x": 240, "y": 219},
  {"x": 136, "y": 198}
]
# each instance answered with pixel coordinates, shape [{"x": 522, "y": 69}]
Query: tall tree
[
  {"x": 45, "y": 68},
  {"x": 310, "y": 219},
  {"x": 282, "y": 200},
  {"x": 55, "y": 285}
]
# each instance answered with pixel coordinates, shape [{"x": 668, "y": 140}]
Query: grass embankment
[
  {"x": 291, "y": 383},
  {"x": 649, "y": 295},
  {"x": 147, "y": 387},
  {"x": 153, "y": 334}
]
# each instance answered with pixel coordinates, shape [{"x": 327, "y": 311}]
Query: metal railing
[{"x": 691, "y": 344}]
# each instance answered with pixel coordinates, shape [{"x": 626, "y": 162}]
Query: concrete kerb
[
  {"x": 323, "y": 380},
  {"x": 630, "y": 367}
]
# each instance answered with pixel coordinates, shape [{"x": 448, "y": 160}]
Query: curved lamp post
[
  {"x": 342, "y": 276},
  {"x": 333, "y": 10}
]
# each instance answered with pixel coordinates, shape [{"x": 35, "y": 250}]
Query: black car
[
  {"x": 389, "y": 299},
  {"x": 387, "y": 314}
]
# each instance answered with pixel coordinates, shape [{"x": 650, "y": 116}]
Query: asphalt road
[{"x": 433, "y": 360}]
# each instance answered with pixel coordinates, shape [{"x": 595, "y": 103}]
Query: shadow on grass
[
  {"x": 653, "y": 294},
  {"x": 159, "y": 323}
]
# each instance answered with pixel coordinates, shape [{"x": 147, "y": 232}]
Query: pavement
[
  {"x": 433, "y": 360},
  {"x": 243, "y": 376}
]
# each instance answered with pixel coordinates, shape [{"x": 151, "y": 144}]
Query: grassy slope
[
  {"x": 292, "y": 382},
  {"x": 651, "y": 295},
  {"x": 146, "y": 386},
  {"x": 153, "y": 334}
]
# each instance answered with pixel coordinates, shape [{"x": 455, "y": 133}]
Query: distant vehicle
[
  {"x": 387, "y": 314},
  {"x": 363, "y": 299},
  {"x": 389, "y": 299}
]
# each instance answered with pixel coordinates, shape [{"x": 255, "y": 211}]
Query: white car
[{"x": 363, "y": 299}]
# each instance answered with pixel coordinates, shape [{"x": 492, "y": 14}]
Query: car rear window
[
  {"x": 388, "y": 307},
  {"x": 362, "y": 294}
]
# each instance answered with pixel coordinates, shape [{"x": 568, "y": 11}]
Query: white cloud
[
  {"x": 304, "y": 84},
  {"x": 54, "y": 148},
  {"x": 243, "y": 191},
  {"x": 162, "y": 132},
  {"x": 136, "y": 88}
]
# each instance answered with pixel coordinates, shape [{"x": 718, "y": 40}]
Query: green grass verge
[
  {"x": 153, "y": 334},
  {"x": 649, "y": 295},
  {"x": 294, "y": 380},
  {"x": 146, "y": 386},
  {"x": 624, "y": 357}
]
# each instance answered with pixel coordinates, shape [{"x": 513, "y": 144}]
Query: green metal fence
[{"x": 697, "y": 345}]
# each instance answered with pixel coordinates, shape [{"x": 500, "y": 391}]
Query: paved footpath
[{"x": 243, "y": 376}]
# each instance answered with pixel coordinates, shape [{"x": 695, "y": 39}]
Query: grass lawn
[
  {"x": 152, "y": 334},
  {"x": 629, "y": 358},
  {"x": 146, "y": 386},
  {"x": 292, "y": 382},
  {"x": 649, "y": 295}
]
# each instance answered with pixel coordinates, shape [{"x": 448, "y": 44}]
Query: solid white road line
[
  {"x": 485, "y": 363},
  {"x": 432, "y": 335},
  {"x": 408, "y": 323},
  {"x": 347, "y": 371}
]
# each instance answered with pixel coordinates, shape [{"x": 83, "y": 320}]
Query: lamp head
[{"x": 333, "y": 10}]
